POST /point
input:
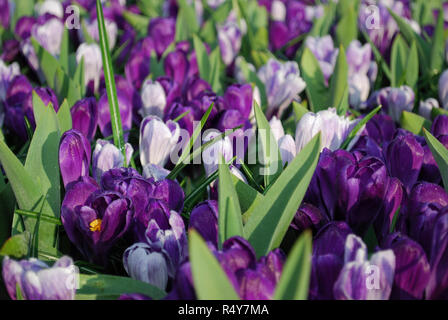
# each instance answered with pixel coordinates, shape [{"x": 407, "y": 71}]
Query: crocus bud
[
  {"x": 104, "y": 121},
  {"x": 362, "y": 279},
  {"x": 49, "y": 34},
  {"x": 53, "y": 7},
  {"x": 204, "y": 219},
  {"x": 359, "y": 88},
  {"x": 276, "y": 128},
  {"x": 358, "y": 57},
  {"x": 404, "y": 157},
  {"x": 308, "y": 217},
  {"x": 443, "y": 89},
  {"x": 426, "y": 106},
  {"x": 287, "y": 147},
  {"x": 24, "y": 26},
  {"x": 212, "y": 154},
  {"x": 85, "y": 117},
  {"x": 283, "y": 84},
  {"x": 440, "y": 126},
  {"x": 38, "y": 281},
  {"x": 7, "y": 73},
  {"x": 95, "y": 219},
  {"x": 396, "y": 100},
  {"x": 229, "y": 36},
  {"x": 93, "y": 63},
  {"x": 176, "y": 66},
  {"x": 157, "y": 140},
  {"x": 107, "y": 156},
  {"x": 412, "y": 268},
  {"x": 162, "y": 31},
  {"x": 325, "y": 53},
  {"x": 74, "y": 156},
  {"x": 143, "y": 263},
  {"x": 334, "y": 129},
  {"x": 153, "y": 99}
]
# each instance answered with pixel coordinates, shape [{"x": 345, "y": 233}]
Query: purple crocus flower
[
  {"x": 11, "y": 49},
  {"x": 74, "y": 156},
  {"x": 425, "y": 107},
  {"x": 5, "y": 13},
  {"x": 162, "y": 31},
  {"x": 106, "y": 156},
  {"x": 230, "y": 36},
  {"x": 176, "y": 66},
  {"x": 440, "y": 126},
  {"x": 7, "y": 74},
  {"x": 327, "y": 259},
  {"x": 283, "y": 84},
  {"x": 24, "y": 26},
  {"x": 204, "y": 219},
  {"x": 85, "y": 117},
  {"x": 308, "y": 217},
  {"x": 404, "y": 158},
  {"x": 95, "y": 219},
  {"x": 125, "y": 106},
  {"x": 38, "y": 281},
  {"x": 412, "y": 268},
  {"x": 362, "y": 278},
  {"x": 137, "y": 68}
]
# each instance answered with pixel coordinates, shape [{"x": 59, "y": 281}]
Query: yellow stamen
[{"x": 95, "y": 225}]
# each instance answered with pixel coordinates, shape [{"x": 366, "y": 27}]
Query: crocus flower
[
  {"x": 5, "y": 13},
  {"x": 412, "y": 268},
  {"x": 404, "y": 157},
  {"x": 111, "y": 31},
  {"x": 212, "y": 155},
  {"x": 106, "y": 156},
  {"x": 93, "y": 63},
  {"x": 334, "y": 129},
  {"x": 359, "y": 88},
  {"x": 74, "y": 156},
  {"x": 308, "y": 217},
  {"x": 204, "y": 219},
  {"x": 162, "y": 31},
  {"x": 286, "y": 143},
  {"x": 144, "y": 263},
  {"x": 38, "y": 281},
  {"x": 443, "y": 89},
  {"x": 438, "y": 282},
  {"x": 364, "y": 279},
  {"x": 48, "y": 32},
  {"x": 396, "y": 100},
  {"x": 283, "y": 84},
  {"x": 24, "y": 26},
  {"x": 325, "y": 53},
  {"x": 327, "y": 259},
  {"x": 85, "y": 117},
  {"x": 440, "y": 126},
  {"x": 7, "y": 73},
  {"x": 153, "y": 99},
  {"x": 53, "y": 7},
  {"x": 95, "y": 219},
  {"x": 157, "y": 140},
  {"x": 125, "y": 106},
  {"x": 176, "y": 66},
  {"x": 229, "y": 36},
  {"x": 425, "y": 108},
  {"x": 358, "y": 57}
]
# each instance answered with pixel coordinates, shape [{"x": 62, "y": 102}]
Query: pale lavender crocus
[
  {"x": 425, "y": 108},
  {"x": 49, "y": 35},
  {"x": 153, "y": 99},
  {"x": 362, "y": 278},
  {"x": 157, "y": 140},
  {"x": 90, "y": 54},
  {"x": 211, "y": 155},
  {"x": 285, "y": 142},
  {"x": 325, "y": 53},
  {"x": 53, "y": 7},
  {"x": 283, "y": 84},
  {"x": 230, "y": 35},
  {"x": 106, "y": 156}
]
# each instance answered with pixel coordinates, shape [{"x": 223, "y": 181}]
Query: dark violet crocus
[
  {"x": 162, "y": 31},
  {"x": 308, "y": 216},
  {"x": 95, "y": 219},
  {"x": 362, "y": 278},
  {"x": 204, "y": 219},
  {"x": 5, "y": 13},
  {"x": 176, "y": 66},
  {"x": 328, "y": 259},
  {"x": 74, "y": 156},
  {"x": 412, "y": 268},
  {"x": 85, "y": 117},
  {"x": 403, "y": 157},
  {"x": 38, "y": 281},
  {"x": 440, "y": 126}
]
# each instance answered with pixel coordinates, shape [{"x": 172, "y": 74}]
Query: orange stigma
[{"x": 95, "y": 225}]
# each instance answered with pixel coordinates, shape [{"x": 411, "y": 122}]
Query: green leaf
[
  {"x": 104, "y": 286},
  {"x": 295, "y": 278},
  {"x": 271, "y": 159},
  {"x": 440, "y": 154},
  {"x": 339, "y": 84},
  {"x": 412, "y": 67},
  {"x": 138, "y": 22},
  {"x": 229, "y": 219},
  {"x": 47, "y": 63},
  {"x": 359, "y": 126},
  {"x": 64, "y": 117},
  {"x": 210, "y": 280},
  {"x": 215, "y": 70},
  {"x": 347, "y": 28},
  {"x": 438, "y": 45},
  {"x": 64, "y": 54},
  {"x": 186, "y": 23},
  {"x": 299, "y": 110},
  {"x": 378, "y": 57},
  {"x": 322, "y": 25},
  {"x": 272, "y": 216},
  {"x": 316, "y": 90},
  {"x": 399, "y": 58},
  {"x": 202, "y": 58},
  {"x": 414, "y": 123},
  {"x": 17, "y": 246},
  {"x": 115, "y": 116},
  {"x": 248, "y": 197}
]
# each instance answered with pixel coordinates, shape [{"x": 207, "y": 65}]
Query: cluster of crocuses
[{"x": 377, "y": 207}]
